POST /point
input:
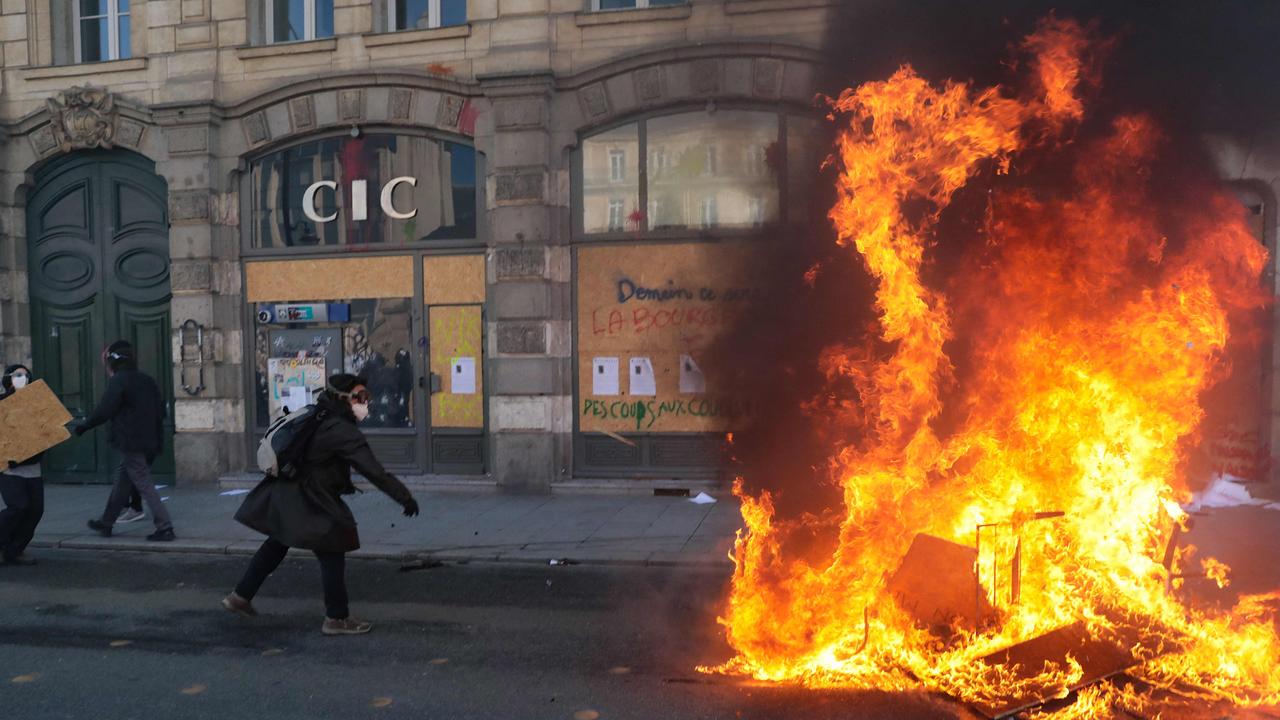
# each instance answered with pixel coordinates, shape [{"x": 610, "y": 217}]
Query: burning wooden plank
[{"x": 937, "y": 585}]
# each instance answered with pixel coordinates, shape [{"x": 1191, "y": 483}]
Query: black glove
[{"x": 411, "y": 508}]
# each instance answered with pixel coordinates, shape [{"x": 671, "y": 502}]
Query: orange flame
[{"x": 1096, "y": 329}]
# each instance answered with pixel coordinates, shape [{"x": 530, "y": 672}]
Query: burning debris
[{"x": 1024, "y": 552}]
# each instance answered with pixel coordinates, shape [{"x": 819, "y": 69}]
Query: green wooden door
[{"x": 98, "y": 234}]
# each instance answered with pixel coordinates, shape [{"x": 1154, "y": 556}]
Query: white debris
[
  {"x": 1223, "y": 492},
  {"x": 702, "y": 499}
]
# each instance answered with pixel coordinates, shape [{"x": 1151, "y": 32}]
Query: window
[
  {"x": 631, "y": 4},
  {"x": 709, "y": 163},
  {"x": 602, "y": 189},
  {"x": 374, "y": 339},
  {"x": 617, "y": 166},
  {"x": 376, "y": 188},
  {"x": 295, "y": 20},
  {"x": 707, "y": 215},
  {"x": 101, "y": 30},
  {"x": 424, "y": 14},
  {"x": 616, "y": 219}
]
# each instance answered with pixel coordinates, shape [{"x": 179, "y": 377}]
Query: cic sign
[{"x": 359, "y": 199}]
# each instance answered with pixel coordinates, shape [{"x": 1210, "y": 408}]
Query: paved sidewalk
[{"x": 453, "y": 525}]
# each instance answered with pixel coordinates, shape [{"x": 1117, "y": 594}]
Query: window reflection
[
  {"x": 713, "y": 169},
  {"x": 444, "y": 197},
  {"x": 610, "y": 183}
]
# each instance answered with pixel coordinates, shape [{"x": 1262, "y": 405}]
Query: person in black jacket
[
  {"x": 308, "y": 512},
  {"x": 20, "y": 486},
  {"x": 135, "y": 407}
]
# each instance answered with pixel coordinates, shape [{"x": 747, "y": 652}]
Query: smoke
[{"x": 1194, "y": 67}]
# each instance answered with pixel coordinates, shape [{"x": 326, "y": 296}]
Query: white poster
[
  {"x": 641, "y": 377},
  {"x": 604, "y": 376},
  {"x": 283, "y": 374},
  {"x": 463, "y": 376},
  {"x": 691, "y": 378}
]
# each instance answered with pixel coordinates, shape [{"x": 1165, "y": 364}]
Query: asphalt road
[{"x": 113, "y": 636}]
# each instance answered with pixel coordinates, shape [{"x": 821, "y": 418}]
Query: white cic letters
[{"x": 359, "y": 200}]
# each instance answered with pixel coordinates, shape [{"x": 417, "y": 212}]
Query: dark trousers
[
  {"x": 23, "y": 508},
  {"x": 333, "y": 575},
  {"x": 134, "y": 473}
]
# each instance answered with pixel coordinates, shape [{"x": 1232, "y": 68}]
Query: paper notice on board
[
  {"x": 463, "y": 375},
  {"x": 691, "y": 378},
  {"x": 296, "y": 397},
  {"x": 604, "y": 376},
  {"x": 641, "y": 377}
]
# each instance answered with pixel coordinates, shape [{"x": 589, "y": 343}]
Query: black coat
[
  {"x": 133, "y": 404},
  {"x": 309, "y": 512}
]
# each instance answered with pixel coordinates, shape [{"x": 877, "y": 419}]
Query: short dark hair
[{"x": 346, "y": 382}]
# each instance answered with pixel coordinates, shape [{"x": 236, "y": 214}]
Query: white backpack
[{"x": 285, "y": 443}]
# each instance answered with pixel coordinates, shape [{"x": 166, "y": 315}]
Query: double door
[{"x": 98, "y": 261}]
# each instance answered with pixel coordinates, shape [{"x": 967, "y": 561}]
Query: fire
[{"x": 1092, "y": 323}]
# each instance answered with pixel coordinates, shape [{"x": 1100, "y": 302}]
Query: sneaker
[
  {"x": 129, "y": 515},
  {"x": 162, "y": 536},
  {"x": 345, "y": 626},
  {"x": 239, "y": 605},
  {"x": 102, "y": 528}
]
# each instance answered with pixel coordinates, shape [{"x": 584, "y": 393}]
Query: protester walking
[
  {"x": 306, "y": 510},
  {"x": 21, "y": 487},
  {"x": 133, "y": 405}
]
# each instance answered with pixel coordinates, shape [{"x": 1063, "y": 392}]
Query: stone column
[
  {"x": 529, "y": 307},
  {"x": 205, "y": 273},
  {"x": 15, "y": 308}
]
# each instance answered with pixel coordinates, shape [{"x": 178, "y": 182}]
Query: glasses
[{"x": 361, "y": 396}]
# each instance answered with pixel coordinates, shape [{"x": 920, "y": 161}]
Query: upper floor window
[
  {"x": 295, "y": 20},
  {"x": 632, "y": 4},
  {"x": 101, "y": 30},
  {"x": 425, "y": 14},
  {"x": 698, "y": 170},
  {"x": 376, "y": 188}
]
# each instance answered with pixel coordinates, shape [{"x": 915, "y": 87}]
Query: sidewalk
[{"x": 453, "y": 525}]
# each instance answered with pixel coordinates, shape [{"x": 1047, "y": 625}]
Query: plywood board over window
[
  {"x": 647, "y": 316},
  {"x": 453, "y": 279},
  {"x": 339, "y": 278},
  {"x": 456, "y": 357}
]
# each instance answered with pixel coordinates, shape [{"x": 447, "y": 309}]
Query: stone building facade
[{"x": 156, "y": 192}]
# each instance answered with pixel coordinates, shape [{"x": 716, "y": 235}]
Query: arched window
[
  {"x": 704, "y": 170},
  {"x": 370, "y": 189}
]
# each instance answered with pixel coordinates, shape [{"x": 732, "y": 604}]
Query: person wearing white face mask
[
  {"x": 309, "y": 513},
  {"x": 21, "y": 487}
]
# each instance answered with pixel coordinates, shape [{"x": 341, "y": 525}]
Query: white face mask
[
  {"x": 361, "y": 411},
  {"x": 19, "y": 381}
]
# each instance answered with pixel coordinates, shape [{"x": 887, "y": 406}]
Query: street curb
[{"x": 373, "y": 552}]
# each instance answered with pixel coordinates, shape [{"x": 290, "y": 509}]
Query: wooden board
[
  {"x": 659, "y": 302},
  {"x": 936, "y": 583},
  {"x": 337, "y": 279},
  {"x": 456, "y": 333},
  {"x": 32, "y": 420},
  {"x": 453, "y": 279}
]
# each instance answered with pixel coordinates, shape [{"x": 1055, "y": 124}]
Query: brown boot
[
  {"x": 345, "y": 626},
  {"x": 239, "y": 605}
]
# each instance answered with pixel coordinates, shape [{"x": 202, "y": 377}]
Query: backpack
[{"x": 282, "y": 449}]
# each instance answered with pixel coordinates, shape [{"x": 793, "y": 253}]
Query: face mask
[
  {"x": 361, "y": 411},
  {"x": 19, "y": 382}
]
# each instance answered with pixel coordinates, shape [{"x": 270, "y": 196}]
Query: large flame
[{"x": 1092, "y": 325}]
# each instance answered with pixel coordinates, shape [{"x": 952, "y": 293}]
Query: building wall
[{"x": 524, "y": 79}]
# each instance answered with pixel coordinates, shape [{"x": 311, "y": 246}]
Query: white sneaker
[{"x": 129, "y": 515}]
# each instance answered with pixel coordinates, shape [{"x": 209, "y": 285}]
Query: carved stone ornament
[{"x": 83, "y": 118}]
